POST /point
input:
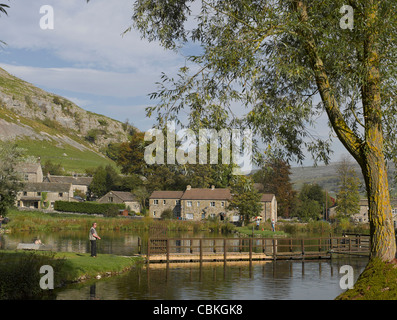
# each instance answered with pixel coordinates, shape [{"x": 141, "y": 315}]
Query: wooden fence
[{"x": 249, "y": 249}]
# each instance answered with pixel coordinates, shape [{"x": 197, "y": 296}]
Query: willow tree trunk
[
  {"x": 383, "y": 244},
  {"x": 368, "y": 151},
  {"x": 372, "y": 160}
]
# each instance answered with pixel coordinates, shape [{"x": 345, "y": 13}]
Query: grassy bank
[
  {"x": 39, "y": 221},
  {"x": 20, "y": 270},
  {"x": 377, "y": 282},
  {"x": 262, "y": 232}
]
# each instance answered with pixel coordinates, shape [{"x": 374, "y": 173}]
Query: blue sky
[{"x": 87, "y": 60}]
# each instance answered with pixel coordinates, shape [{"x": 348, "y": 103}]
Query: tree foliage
[
  {"x": 289, "y": 62},
  {"x": 10, "y": 183},
  {"x": 275, "y": 178},
  {"x": 348, "y": 197},
  {"x": 246, "y": 199}
]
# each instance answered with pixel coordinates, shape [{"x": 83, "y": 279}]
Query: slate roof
[
  {"x": 81, "y": 181},
  {"x": 267, "y": 197},
  {"x": 206, "y": 194},
  {"x": 166, "y": 195},
  {"x": 27, "y": 167},
  {"x": 122, "y": 195}
]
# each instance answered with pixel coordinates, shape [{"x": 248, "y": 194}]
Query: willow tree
[{"x": 288, "y": 62}]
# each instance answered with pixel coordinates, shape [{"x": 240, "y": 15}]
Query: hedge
[{"x": 87, "y": 207}]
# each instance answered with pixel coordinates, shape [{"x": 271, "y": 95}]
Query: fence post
[
  {"x": 139, "y": 245},
  {"x": 168, "y": 250},
  {"x": 224, "y": 249},
  {"x": 201, "y": 250},
  {"x": 250, "y": 247},
  {"x": 148, "y": 251},
  {"x": 303, "y": 246}
]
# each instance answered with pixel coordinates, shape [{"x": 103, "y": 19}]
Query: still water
[{"x": 281, "y": 280}]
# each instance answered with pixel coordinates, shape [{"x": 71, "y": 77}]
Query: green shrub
[
  {"x": 88, "y": 207},
  {"x": 112, "y": 211},
  {"x": 20, "y": 276},
  {"x": 167, "y": 214}
]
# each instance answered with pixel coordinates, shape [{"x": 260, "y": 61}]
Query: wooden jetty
[{"x": 177, "y": 250}]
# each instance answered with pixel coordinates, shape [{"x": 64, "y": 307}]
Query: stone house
[
  {"x": 202, "y": 203},
  {"x": 42, "y": 195},
  {"x": 127, "y": 198},
  {"x": 197, "y": 204},
  {"x": 163, "y": 200},
  {"x": 29, "y": 172},
  {"x": 362, "y": 216},
  {"x": 79, "y": 184},
  {"x": 269, "y": 207}
]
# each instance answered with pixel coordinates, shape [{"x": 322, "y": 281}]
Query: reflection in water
[
  {"x": 257, "y": 281},
  {"x": 244, "y": 281}
]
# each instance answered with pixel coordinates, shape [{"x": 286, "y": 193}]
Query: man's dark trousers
[{"x": 93, "y": 248}]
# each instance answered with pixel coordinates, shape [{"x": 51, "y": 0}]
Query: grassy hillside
[
  {"x": 327, "y": 177},
  {"x": 53, "y": 128}
]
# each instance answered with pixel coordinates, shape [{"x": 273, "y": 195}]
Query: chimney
[
  {"x": 188, "y": 187},
  {"x": 212, "y": 187}
]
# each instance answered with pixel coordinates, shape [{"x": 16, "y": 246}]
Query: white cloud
[{"x": 87, "y": 35}]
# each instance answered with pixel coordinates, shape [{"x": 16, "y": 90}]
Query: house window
[
  {"x": 223, "y": 203},
  {"x": 110, "y": 199},
  {"x": 164, "y": 202},
  {"x": 26, "y": 177},
  {"x": 212, "y": 204},
  {"x": 60, "y": 194},
  {"x": 154, "y": 213},
  {"x": 203, "y": 216},
  {"x": 189, "y": 203},
  {"x": 189, "y": 216},
  {"x": 212, "y": 215},
  {"x": 394, "y": 211},
  {"x": 25, "y": 193},
  {"x": 177, "y": 202},
  {"x": 39, "y": 194},
  {"x": 198, "y": 203},
  {"x": 155, "y": 202}
]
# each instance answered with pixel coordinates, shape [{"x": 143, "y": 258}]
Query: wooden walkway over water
[{"x": 173, "y": 250}]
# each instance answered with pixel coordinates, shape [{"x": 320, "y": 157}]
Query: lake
[{"x": 271, "y": 280}]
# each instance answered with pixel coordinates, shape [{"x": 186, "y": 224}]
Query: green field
[{"x": 72, "y": 159}]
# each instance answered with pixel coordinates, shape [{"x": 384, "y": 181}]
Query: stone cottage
[
  {"x": 202, "y": 203},
  {"x": 80, "y": 184},
  {"x": 165, "y": 200},
  {"x": 42, "y": 195},
  {"x": 29, "y": 172},
  {"x": 127, "y": 198}
]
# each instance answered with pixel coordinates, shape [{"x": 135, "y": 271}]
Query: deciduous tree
[
  {"x": 277, "y": 58},
  {"x": 10, "y": 183},
  {"x": 348, "y": 197}
]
